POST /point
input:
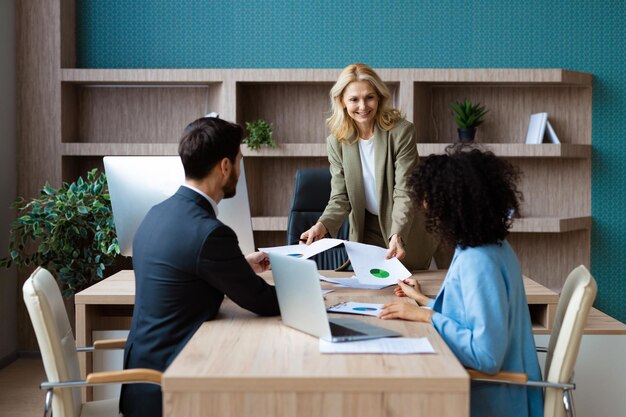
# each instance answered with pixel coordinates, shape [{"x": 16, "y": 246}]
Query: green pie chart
[{"x": 379, "y": 273}]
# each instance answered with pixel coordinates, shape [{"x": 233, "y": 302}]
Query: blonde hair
[{"x": 340, "y": 124}]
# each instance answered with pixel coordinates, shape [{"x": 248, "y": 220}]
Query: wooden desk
[
  {"x": 108, "y": 305},
  {"x": 542, "y": 301},
  {"x": 244, "y": 365}
]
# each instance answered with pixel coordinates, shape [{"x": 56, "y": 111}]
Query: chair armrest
[
  {"x": 513, "y": 377},
  {"x": 109, "y": 344},
  {"x": 103, "y": 344},
  {"x": 126, "y": 376}
]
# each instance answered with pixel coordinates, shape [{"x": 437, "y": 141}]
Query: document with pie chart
[
  {"x": 371, "y": 267},
  {"x": 351, "y": 307}
]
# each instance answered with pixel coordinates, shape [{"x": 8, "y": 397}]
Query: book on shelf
[{"x": 540, "y": 130}]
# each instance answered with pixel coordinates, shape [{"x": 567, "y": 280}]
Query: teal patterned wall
[{"x": 580, "y": 35}]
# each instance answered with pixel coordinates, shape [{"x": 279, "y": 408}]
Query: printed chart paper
[
  {"x": 351, "y": 307},
  {"x": 371, "y": 267}
]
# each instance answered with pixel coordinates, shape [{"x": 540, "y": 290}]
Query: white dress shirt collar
[{"x": 213, "y": 203}]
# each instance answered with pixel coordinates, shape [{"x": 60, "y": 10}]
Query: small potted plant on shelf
[
  {"x": 259, "y": 133},
  {"x": 468, "y": 117},
  {"x": 69, "y": 231}
]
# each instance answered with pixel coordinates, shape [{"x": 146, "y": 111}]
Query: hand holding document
[
  {"x": 397, "y": 345},
  {"x": 353, "y": 282},
  {"x": 304, "y": 251},
  {"x": 371, "y": 268}
]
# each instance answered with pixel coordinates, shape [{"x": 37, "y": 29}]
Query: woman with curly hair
[
  {"x": 372, "y": 152},
  {"x": 469, "y": 198}
]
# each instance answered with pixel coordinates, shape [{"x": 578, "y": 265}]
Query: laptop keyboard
[{"x": 338, "y": 331}]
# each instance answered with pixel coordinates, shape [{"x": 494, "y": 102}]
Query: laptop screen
[{"x": 299, "y": 295}]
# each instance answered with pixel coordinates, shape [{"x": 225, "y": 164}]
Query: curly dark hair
[{"x": 469, "y": 196}]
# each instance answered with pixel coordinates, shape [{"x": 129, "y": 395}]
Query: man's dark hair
[
  {"x": 470, "y": 196},
  {"x": 205, "y": 142}
]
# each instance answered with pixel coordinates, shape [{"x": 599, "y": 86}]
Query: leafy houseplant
[
  {"x": 259, "y": 133},
  {"x": 69, "y": 231},
  {"x": 468, "y": 117}
]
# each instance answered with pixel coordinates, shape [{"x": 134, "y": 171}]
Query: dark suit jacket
[{"x": 185, "y": 261}]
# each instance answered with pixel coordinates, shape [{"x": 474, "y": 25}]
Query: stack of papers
[
  {"x": 372, "y": 270},
  {"x": 304, "y": 251},
  {"x": 395, "y": 345}
]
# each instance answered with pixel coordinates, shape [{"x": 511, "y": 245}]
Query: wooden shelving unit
[{"x": 143, "y": 111}]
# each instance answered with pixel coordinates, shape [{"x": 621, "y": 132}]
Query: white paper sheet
[
  {"x": 351, "y": 307},
  {"x": 371, "y": 267},
  {"x": 396, "y": 345},
  {"x": 353, "y": 282},
  {"x": 304, "y": 251}
]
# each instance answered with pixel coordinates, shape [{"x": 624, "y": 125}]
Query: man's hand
[
  {"x": 317, "y": 232},
  {"x": 396, "y": 248},
  {"x": 259, "y": 261},
  {"x": 405, "y": 311}
]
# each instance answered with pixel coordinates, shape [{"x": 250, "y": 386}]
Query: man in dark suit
[{"x": 186, "y": 260}]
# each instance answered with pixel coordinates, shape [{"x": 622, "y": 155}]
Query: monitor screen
[{"x": 136, "y": 183}]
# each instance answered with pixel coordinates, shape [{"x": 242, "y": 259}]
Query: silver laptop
[{"x": 302, "y": 304}]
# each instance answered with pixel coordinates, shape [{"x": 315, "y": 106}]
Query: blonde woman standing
[{"x": 372, "y": 152}]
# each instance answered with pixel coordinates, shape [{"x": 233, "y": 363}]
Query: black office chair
[{"x": 310, "y": 196}]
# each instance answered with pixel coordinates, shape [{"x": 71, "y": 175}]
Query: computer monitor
[{"x": 136, "y": 183}]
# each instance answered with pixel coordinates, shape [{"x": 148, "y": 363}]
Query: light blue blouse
[{"x": 482, "y": 314}]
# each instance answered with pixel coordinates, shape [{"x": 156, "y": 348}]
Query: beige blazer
[{"x": 395, "y": 156}]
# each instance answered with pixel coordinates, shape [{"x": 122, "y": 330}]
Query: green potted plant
[
  {"x": 468, "y": 117},
  {"x": 259, "y": 133},
  {"x": 69, "y": 231}
]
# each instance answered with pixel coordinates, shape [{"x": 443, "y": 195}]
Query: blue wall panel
[{"x": 579, "y": 35}]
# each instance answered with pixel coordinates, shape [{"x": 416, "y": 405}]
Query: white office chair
[
  {"x": 60, "y": 358},
  {"x": 575, "y": 301}
]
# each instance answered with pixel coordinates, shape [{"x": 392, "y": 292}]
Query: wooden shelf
[
  {"x": 551, "y": 224},
  {"x": 119, "y": 149},
  {"x": 426, "y": 75},
  {"x": 157, "y": 149},
  {"x": 518, "y": 150},
  {"x": 318, "y": 150},
  {"x": 141, "y": 76},
  {"x": 523, "y": 225},
  {"x": 288, "y": 150}
]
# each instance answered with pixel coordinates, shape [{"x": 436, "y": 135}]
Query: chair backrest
[
  {"x": 310, "y": 196},
  {"x": 55, "y": 338},
  {"x": 575, "y": 301}
]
